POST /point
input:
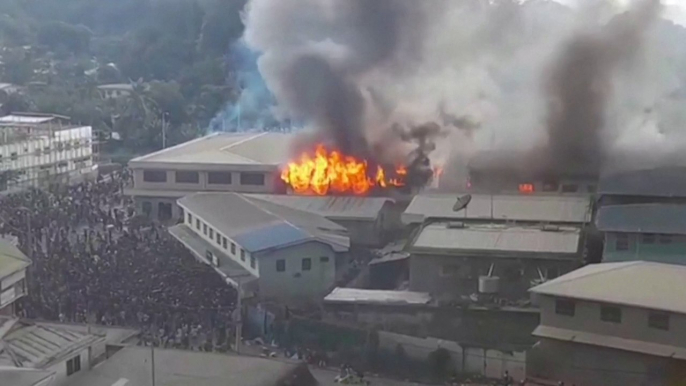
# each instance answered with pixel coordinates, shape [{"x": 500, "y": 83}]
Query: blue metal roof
[{"x": 271, "y": 235}]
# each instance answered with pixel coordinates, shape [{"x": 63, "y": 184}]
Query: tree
[
  {"x": 59, "y": 35},
  {"x": 13, "y": 102},
  {"x": 17, "y": 66},
  {"x": 7, "y": 177}
]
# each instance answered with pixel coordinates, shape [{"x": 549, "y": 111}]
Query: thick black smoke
[{"x": 581, "y": 85}]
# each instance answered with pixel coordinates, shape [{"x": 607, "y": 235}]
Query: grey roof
[
  {"x": 563, "y": 209},
  {"x": 11, "y": 259},
  {"x": 225, "y": 149},
  {"x": 331, "y": 207},
  {"x": 637, "y": 283},
  {"x": 365, "y": 296},
  {"x": 23, "y": 377},
  {"x": 658, "y": 182},
  {"x": 38, "y": 345},
  {"x": 259, "y": 225},
  {"x": 177, "y": 367},
  {"x": 233, "y": 271},
  {"x": 609, "y": 341},
  {"x": 496, "y": 239},
  {"x": 643, "y": 218},
  {"x": 117, "y": 86}
]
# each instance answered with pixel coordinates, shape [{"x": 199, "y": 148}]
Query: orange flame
[{"x": 332, "y": 172}]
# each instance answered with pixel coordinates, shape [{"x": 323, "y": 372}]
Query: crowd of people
[{"x": 95, "y": 261}]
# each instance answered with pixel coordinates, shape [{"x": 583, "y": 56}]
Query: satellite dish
[{"x": 462, "y": 202}]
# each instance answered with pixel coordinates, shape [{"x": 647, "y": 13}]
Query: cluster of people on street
[{"x": 95, "y": 261}]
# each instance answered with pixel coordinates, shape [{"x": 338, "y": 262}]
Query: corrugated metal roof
[
  {"x": 658, "y": 182},
  {"x": 263, "y": 225},
  {"x": 36, "y": 345},
  {"x": 11, "y": 259},
  {"x": 226, "y": 149},
  {"x": 565, "y": 209},
  {"x": 637, "y": 283},
  {"x": 609, "y": 341},
  {"x": 365, "y": 296},
  {"x": 643, "y": 218},
  {"x": 22, "y": 119},
  {"x": 331, "y": 207},
  {"x": 497, "y": 238}
]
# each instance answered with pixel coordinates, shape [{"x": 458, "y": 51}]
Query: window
[
  {"x": 242, "y": 255},
  {"x": 154, "y": 176},
  {"x": 649, "y": 238},
  {"x": 252, "y": 179},
  {"x": 252, "y": 262},
  {"x": 219, "y": 178},
  {"x": 204, "y": 228},
  {"x": 550, "y": 186},
  {"x": 147, "y": 208},
  {"x": 280, "y": 265},
  {"x": 306, "y": 264},
  {"x": 74, "y": 365},
  {"x": 63, "y": 164},
  {"x": 211, "y": 233},
  {"x": 14, "y": 156},
  {"x": 622, "y": 242},
  {"x": 187, "y": 177},
  {"x": 197, "y": 224},
  {"x": 224, "y": 242},
  {"x": 219, "y": 239},
  {"x": 565, "y": 307},
  {"x": 658, "y": 320},
  {"x": 233, "y": 248},
  {"x": 611, "y": 314},
  {"x": 190, "y": 219},
  {"x": 570, "y": 188},
  {"x": 526, "y": 188},
  {"x": 665, "y": 239},
  {"x": 324, "y": 259}
]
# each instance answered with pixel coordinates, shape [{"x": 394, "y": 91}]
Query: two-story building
[
  {"x": 40, "y": 149},
  {"x": 650, "y": 232},
  {"x": 13, "y": 265},
  {"x": 272, "y": 251},
  {"x": 612, "y": 324},
  {"x": 220, "y": 162}
]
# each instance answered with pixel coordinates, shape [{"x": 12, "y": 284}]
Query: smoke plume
[
  {"x": 409, "y": 80},
  {"x": 581, "y": 85}
]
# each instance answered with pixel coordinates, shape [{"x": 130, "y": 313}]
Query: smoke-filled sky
[{"x": 355, "y": 68}]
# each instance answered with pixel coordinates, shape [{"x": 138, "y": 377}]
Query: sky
[{"x": 675, "y": 10}]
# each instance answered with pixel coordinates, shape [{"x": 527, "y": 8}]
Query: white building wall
[
  {"x": 60, "y": 369},
  {"x": 40, "y": 158}
]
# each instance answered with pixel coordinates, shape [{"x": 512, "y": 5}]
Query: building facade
[
  {"x": 612, "y": 324},
  {"x": 13, "y": 265},
  {"x": 38, "y": 150},
  {"x": 455, "y": 260},
  {"x": 649, "y": 232},
  {"x": 270, "y": 251},
  {"x": 221, "y": 162}
]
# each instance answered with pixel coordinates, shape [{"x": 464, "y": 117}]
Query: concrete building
[
  {"x": 113, "y": 91},
  {"x": 39, "y": 149},
  {"x": 134, "y": 366},
  {"x": 58, "y": 350},
  {"x": 13, "y": 265},
  {"x": 221, "y": 162},
  {"x": 612, "y": 324},
  {"x": 562, "y": 210},
  {"x": 277, "y": 252},
  {"x": 651, "y": 232},
  {"x": 453, "y": 260},
  {"x": 370, "y": 221}
]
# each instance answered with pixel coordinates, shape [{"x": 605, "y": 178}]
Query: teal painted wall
[{"x": 641, "y": 248}]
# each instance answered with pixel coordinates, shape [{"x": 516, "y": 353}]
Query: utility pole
[
  {"x": 152, "y": 362},
  {"x": 239, "y": 319},
  {"x": 164, "y": 130}
]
